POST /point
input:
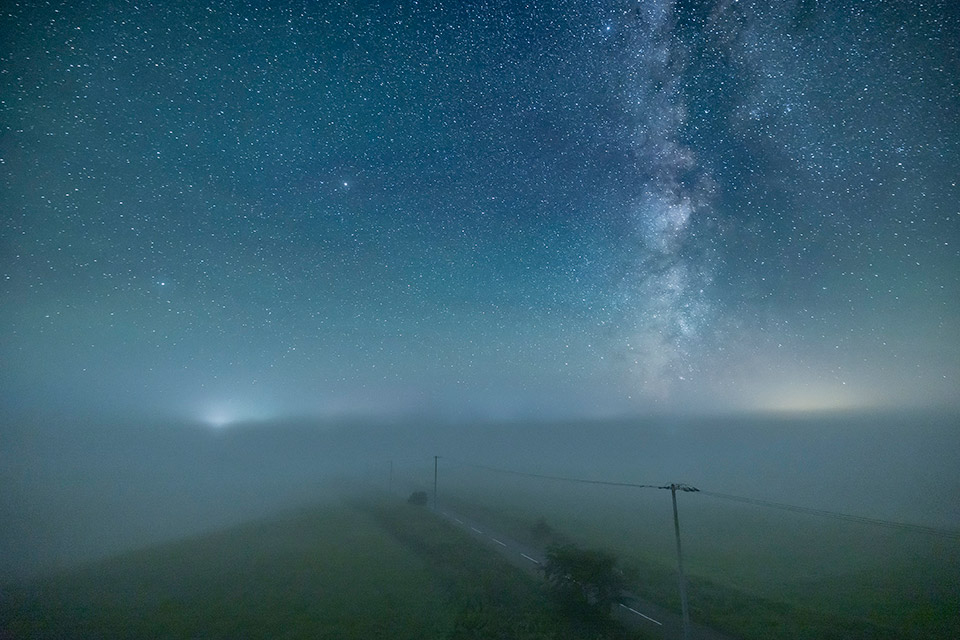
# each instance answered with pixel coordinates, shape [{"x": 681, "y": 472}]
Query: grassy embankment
[
  {"x": 368, "y": 569},
  {"x": 751, "y": 573}
]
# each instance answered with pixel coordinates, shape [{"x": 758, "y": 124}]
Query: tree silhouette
[{"x": 584, "y": 579}]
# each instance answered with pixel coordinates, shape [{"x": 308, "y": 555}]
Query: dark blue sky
[{"x": 236, "y": 210}]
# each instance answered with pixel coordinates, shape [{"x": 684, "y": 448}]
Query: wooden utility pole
[{"x": 683, "y": 583}]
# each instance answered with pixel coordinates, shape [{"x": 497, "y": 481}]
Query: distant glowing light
[
  {"x": 218, "y": 419},
  {"x": 220, "y": 414},
  {"x": 810, "y": 399}
]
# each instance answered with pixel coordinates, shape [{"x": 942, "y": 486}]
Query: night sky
[{"x": 243, "y": 210}]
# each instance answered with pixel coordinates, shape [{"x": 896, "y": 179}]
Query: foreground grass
[
  {"x": 325, "y": 573},
  {"x": 371, "y": 568}
]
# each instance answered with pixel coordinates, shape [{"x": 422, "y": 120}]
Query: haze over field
[
  {"x": 251, "y": 249},
  {"x": 80, "y": 490}
]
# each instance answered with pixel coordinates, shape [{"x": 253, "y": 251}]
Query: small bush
[
  {"x": 418, "y": 498},
  {"x": 540, "y": 530}
]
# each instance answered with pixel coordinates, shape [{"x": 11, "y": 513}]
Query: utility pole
[
  {"x": 435, "y": 458},
  {"x": 390, "y": 485},
  {"x": 683, "y": 583}
]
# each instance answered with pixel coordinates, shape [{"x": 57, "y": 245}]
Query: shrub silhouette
[
  {"x": 541, "y": 530},
  {"x": 584, "y": 580}
]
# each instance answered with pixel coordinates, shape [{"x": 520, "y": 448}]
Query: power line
[
  {"x": 836, "y": 515},
  {"x": 562, "y": 478}
]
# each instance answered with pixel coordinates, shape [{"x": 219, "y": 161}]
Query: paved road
[{"x": 635, "y": 612}]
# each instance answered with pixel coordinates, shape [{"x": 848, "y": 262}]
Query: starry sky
[{"x": 242, "y": 210}]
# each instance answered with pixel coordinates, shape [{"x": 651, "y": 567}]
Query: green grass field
[
  {"x": 752, "y": 573},
  {"x": 325, "y": 573},
  {"x": 371, "y": 568}
]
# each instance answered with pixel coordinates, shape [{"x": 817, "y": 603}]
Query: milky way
[
  {"x": 667, "y": 287},
  {"x": 236, "y": 210}
]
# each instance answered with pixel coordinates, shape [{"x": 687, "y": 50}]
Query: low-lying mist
[{"x": 74, "y": 491}]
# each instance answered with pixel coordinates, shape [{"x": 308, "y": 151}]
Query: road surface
[{"x": 634, "y": 612}]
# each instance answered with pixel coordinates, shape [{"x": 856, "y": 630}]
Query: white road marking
[
  {"x": 535, "y": 561},
  {"x": 641, "y": 615}
]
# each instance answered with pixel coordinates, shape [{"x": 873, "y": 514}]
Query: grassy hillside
[
  {"x": 326, "y": 573},
  {"x": 365, "y": 569}
]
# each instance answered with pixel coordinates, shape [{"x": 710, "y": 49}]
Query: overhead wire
[
  {"x": 836, "y": 515},
  {"x": 525, "y": 474},
  {"x": 824, "y": 513}
]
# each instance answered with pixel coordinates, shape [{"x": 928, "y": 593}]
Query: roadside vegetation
[{"x": 584, "y": 581}]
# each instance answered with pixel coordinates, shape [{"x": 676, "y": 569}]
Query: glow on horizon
[
  {"x": 221, "y": 415},
  {"x": 218, "y": 419},
  {"x": 805, "y": 398}
]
